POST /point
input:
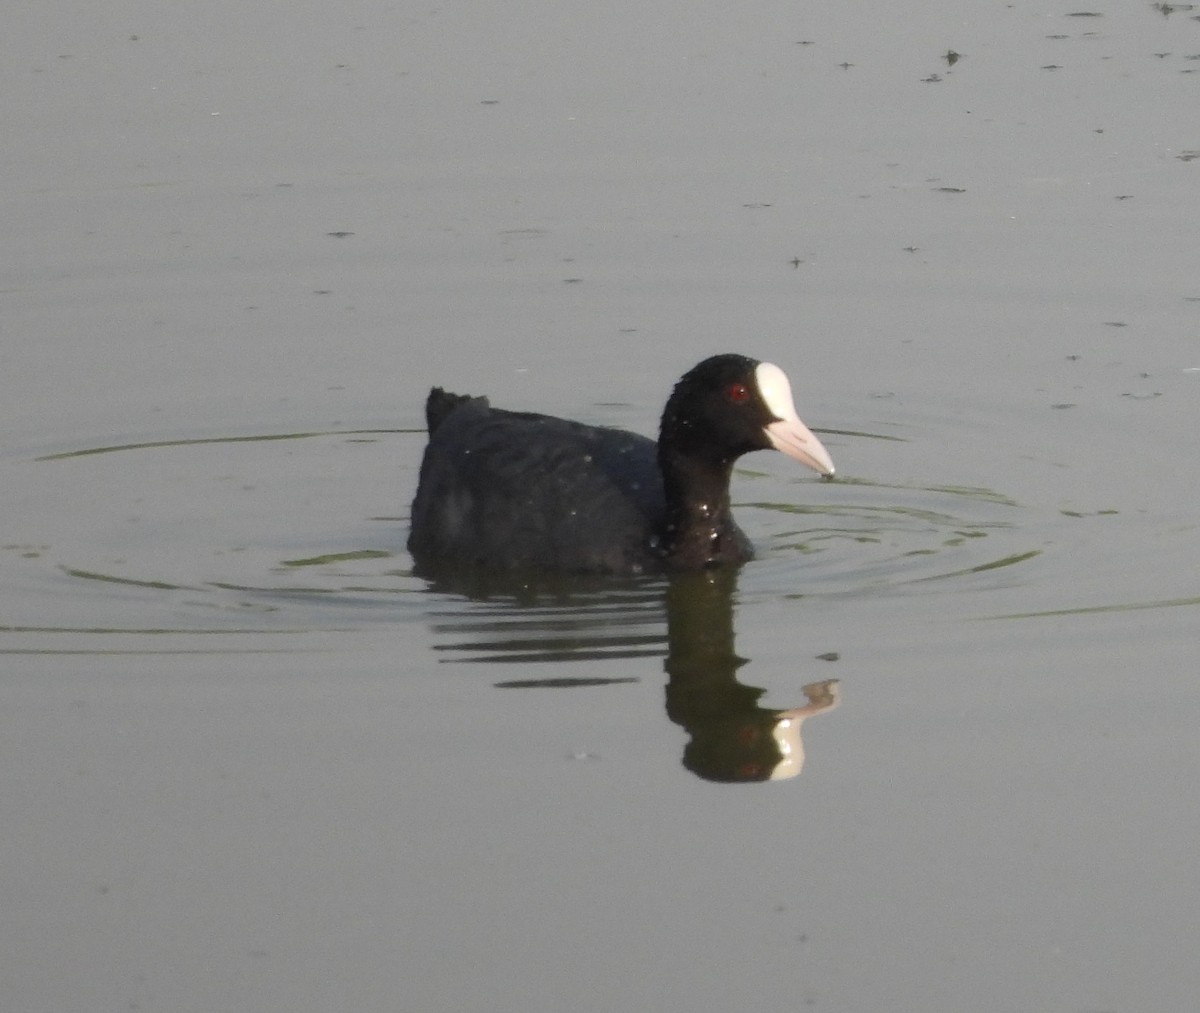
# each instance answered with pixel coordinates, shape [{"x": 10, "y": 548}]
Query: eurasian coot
[{"x": 519, "y": 491}]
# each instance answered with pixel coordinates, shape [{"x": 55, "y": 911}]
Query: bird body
[{"x": 520, "y": 491}]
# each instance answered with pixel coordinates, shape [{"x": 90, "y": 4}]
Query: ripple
[
  {"x": 198, "y": 534},
  {"x": 559, "y": 619},
  {"x": 116, "y": 448},
  {"x": 885, "y": 536}
]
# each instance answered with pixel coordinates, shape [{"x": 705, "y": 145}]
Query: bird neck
[{"x": 698, "y": 528}]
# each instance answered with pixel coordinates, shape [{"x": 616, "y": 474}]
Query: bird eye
[{"x": 738, "y": 392}]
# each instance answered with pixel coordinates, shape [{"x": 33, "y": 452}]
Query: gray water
[{"x": 250, "y": 762}]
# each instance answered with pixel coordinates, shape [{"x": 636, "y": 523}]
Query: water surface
[{"x": 251, "y": 761}]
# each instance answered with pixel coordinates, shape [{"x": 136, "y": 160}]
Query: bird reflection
[{"x": 732, "y": 737}]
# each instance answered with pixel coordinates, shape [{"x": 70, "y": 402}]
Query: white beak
[{"x": 788, "y": 433}]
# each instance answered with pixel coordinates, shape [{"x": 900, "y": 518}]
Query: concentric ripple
[
  {"x": 865, "y": 536},
  {"x": 292, "y": 533}
]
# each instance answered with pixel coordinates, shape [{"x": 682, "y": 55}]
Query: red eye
[{"x": 738, "y": 392}]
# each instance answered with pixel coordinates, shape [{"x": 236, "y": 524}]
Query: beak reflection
[
  {"x": 535, "y": 628},
  {"x": 732, "y": 737}
]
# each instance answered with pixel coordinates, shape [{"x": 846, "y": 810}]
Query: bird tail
[{"x": 440, "y": 404}]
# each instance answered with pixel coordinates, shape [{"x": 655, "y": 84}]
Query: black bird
[{"x": 518, "y": 491}]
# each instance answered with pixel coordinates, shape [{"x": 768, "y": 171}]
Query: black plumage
[{"x": 520, "y": 491}]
